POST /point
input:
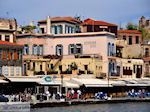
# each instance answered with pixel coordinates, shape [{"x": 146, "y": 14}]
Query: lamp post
[{"x": 62, "y": 77}]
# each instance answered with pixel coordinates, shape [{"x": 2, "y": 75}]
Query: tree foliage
[
  {"x": 145, "y": 34},
  {"x": 28, "y": 29},
  {"x": 131, "y": 26}
]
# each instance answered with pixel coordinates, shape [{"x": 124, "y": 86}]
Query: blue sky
[{"x": 113, "y": 11}]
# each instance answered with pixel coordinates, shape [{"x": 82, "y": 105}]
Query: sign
[
  {"x": 103, "y": 26},
  {"x": 48, "y": 79}
]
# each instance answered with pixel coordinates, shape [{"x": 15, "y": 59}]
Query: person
[
  {"x": 79, "y": 93},
  {"x": 72, "y": 93}
]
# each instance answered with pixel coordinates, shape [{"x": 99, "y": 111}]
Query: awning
[
  {"x": 70, "y": 85},
  {"x": 3, "y": 81},
  {"x": 92, "y": 82},
  {"x": 37, "y": 80},
  {"x": 23, "y": 79},
  {"x": 53, "y": 82}
]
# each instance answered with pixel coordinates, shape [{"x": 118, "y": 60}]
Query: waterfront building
[
  {"x": 59, "y": 25},
  {"x": 146, "y": 57},
  {"x": 82, "y": 45},
  {"x": 130, "y": 40},
  {"x": 90, "y": 25},
  {"x": 10, "y": 52},
  {"x": 131, "y": 68},
  {"x": 10, "y": 59},
  {"x": 7, "y": 30},
  {"x": 131, "y": 36}
]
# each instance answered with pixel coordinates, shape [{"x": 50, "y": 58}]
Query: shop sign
[{"x": 48, "y": 79}]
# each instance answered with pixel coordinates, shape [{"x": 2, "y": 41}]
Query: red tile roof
[
  {"x": 70, "y": 19},
  {"x": 9, "y": 43},
  {"x": 129, "y": 31},
  {"x": 95, "y": 22}
]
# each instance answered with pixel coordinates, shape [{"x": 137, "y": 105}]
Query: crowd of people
[
  {"x": 70, "y": 95},
  {"x": 140, "y": 93}
]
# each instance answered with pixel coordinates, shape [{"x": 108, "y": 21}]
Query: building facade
[
  {"x": 146, "y": 58},
  {"x": 90, "y": 25},
  {"x": 10, "y": 59},
  {"x": 59, "y": 25},
  {"x": 7, "y": 30},
  {"x": 81, "y": 45}
]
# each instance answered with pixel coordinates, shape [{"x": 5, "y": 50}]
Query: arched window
[{"x": 59, "y": 50}]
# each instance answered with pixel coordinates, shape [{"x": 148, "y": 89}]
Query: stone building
[
  {"x": 7, "y": 30},
  {"x": 144, "y": 23}
]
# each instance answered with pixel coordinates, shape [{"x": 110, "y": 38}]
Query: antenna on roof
[{"x": 120, "y": 26}]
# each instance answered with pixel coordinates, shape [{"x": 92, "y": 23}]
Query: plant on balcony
[
  {"x": 39, "y": 73},
  {"x": 52, "y": 72}
]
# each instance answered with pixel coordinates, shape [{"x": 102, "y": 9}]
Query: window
[
  {"x": 130, "y": 40},
  {"x": 40, "y": 67},
  {"x": 18, "y": 70},
  {"x": 108, "y": 49},
  {"x": 112, "y": 50},
  {"x": 137, "y": 39},
  {"x": 11, "y": 55},
  {"x": 42, "y": 30},
  {"x": 12, "y": 70},
  {"x": 5, "y": 70},
  {"x": 53, "y": 29},
  {"x": 59, "y": 50},
  {"x": 71, "y": 49},
  {"x": 60, "y": 29},
  {"x": 33, "y": 65},
  {"x": 26, "y": 50},
  {"x": 35, "y": 50},
  {"x": 66, "y": 29},
  {"x": 146, "y": 52},
  {"x": 124, "y": 37},
  {"x": 7, "y": 38},
  {"x": 40, "y": 50},
  {"x": 19, "y": 55},
  {"x": 56, "y": 30},
  {"x": 78, "y": 49}
]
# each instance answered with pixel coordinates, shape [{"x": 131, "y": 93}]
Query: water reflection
[{"x": 118, "y": 107}]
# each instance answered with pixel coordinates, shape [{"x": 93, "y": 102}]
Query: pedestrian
[
  {"x": 72, "y": 93},
  {"x": 79, "y": 93}
]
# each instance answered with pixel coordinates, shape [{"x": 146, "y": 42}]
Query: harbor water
[{"x": 114, "y": 107}]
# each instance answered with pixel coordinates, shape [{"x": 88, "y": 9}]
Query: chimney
[{"x": 48, "y": 25}]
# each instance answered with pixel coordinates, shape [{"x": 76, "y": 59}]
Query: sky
[{"x": 113, "y": 11}]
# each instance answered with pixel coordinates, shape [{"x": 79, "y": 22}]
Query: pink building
[{"x": 67, "y": 45}]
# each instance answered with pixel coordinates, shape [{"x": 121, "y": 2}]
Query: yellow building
[
  {"x": 69, "y": 66},
  {"x": 131, "y": 68}
]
